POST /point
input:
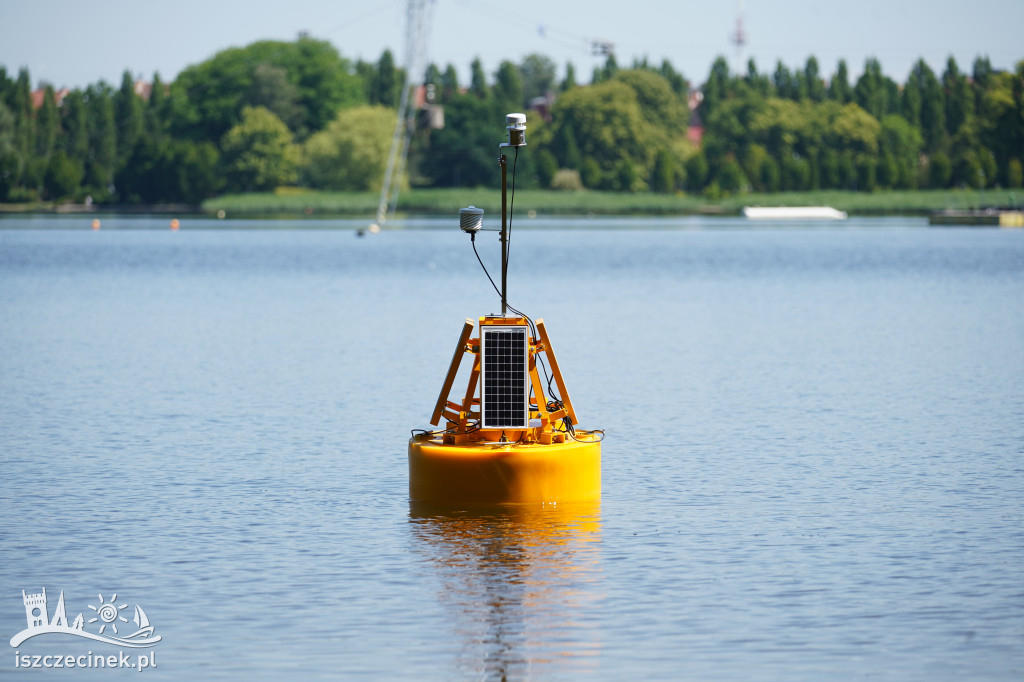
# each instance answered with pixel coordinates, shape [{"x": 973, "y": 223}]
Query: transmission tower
[{"x": 417, "y": 32}]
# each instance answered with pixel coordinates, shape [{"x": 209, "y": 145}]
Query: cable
[
  {"x": 529, "y": 320},
  {"x": 511, "y": 212},
  {"x": 557, "y": 399},
  {"x": 472, "y": 240}
]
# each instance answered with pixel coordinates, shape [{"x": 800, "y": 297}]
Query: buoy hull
[{"x": 477, "y": 473}]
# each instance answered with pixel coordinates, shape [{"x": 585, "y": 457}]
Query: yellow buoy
[
  {"x": 513, "y": 437},
  {"x": 95, "y": 223},
  {"x": 502, "y": 473},
  {"x": 175, "y": 224},
  {"x": 508, "y": 440}
]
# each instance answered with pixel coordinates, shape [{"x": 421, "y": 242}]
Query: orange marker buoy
[
  {"x": 174, "y": 224},
  {"x": 95, "y": 223}
]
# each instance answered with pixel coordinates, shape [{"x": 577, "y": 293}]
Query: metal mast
[{"x": 417, "y": 30}]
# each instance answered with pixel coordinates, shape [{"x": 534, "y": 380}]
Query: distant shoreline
[{"x": 298, "y": 203}]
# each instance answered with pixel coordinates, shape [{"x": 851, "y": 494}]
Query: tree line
[{"x": 276, "y": 114}]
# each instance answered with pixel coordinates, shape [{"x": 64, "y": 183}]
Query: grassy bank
[{"x": 447, "y": 201}]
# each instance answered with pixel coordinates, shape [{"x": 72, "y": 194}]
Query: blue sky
[{"x": 73, "y": 44}]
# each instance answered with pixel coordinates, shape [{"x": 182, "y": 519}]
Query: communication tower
[
  {"x": 417, "y": 31},
  {"x": 739, "y": 36}
]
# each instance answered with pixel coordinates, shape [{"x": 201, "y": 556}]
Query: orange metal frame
[{"x": 460, "y": 416}]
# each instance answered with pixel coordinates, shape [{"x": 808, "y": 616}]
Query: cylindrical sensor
[
  {"x": 515, "y": 124},
  {"x": 471, "y": 219}
]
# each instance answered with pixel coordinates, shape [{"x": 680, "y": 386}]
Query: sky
[{"x": 73, "y": 44}]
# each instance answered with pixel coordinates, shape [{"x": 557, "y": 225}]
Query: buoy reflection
[{"x": 521, "y": 583}]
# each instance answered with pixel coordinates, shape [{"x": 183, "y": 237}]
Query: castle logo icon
[{"x": 108, "y": 616}]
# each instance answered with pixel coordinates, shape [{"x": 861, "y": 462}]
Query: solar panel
[{"x": 504, "y": 383}]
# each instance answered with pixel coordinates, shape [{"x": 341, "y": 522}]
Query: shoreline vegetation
[
  {"x": 296, "y": 125},
  {"x": 297, "y": 202}
]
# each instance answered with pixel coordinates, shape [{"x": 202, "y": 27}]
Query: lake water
[{"x": 813, "y": 470}]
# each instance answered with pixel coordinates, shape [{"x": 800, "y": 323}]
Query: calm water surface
[{"x": 814, "y": 467}]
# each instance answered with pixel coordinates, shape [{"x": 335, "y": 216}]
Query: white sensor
[
  {"x": 471, "y": 219},
  {"x": 515, "y": 124}
]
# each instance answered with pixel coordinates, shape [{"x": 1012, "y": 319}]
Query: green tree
[
  {"x": 128, "y": 115},
  {"x": 271, "y": 89},
  {"x": 608, "y": 71},
  {"x": 716, "y": 89},
  {"x": 387, "y": 82},
  {"x": 207, "y": 98},
  {"x": 761, "y": 169},
  {"x": 462, "y": 154},
  {"x": 1015, "y": 174},
  {"x": 547, "y": 168},
  {"x": 958, "y": 99},
  {"x": 537, "y": 74},
  {"x": 830, "y": 170},
  {"x": 796, "y": 173},
  {"x": 258, "y": 152},
  {"x": 981, "y": 77},
  {"x": 757, "y": 83},
  {"x": 351, "y": 153},
  {"x": 570, "y": 78},
  {"x": 730, "y": 176},
  {"x": 508, "y": 87},
  {"x": 101, "y": 163},
  {"x": 940, "y": 170},
  {"x": 591, "y": 174},
  {"x": 875, "y": 92},
  {"x": 903, "y": 144},
  {"x": 658, "y": 104},
  {"x": 157, "y": 109},
  {"x": 74, "y": 137},
  {"x": 663, "y": 177},
  {"x": 477, "y": 80},
  {"x": 839, "y": 89},
  {"x": 784, "y": 82},
  {"x": 812, "y": 78},
  {"x": 365, "y": 72},
  {"x": 856, "y": 131},
  {"x": 193, "y": 169},
  {"x": 63, "y": 175},
  {"x": 432, "y": 75},
  {"x": 24, "y": 120},
  {"x": 923, "y": 104},
  {"x": 675, "y": 79},
  {"x": 47, "y": 124},
  {"x": 697, "y": 172},
  {"x": 142, "y": 178},
  {"x": 10, "y": 159},
  {"x": 608, "y": 125},
  {"x": 449, "y": 84},
  {"x": 1000, "y": 119},
  {"x": 566, "y": 148}
]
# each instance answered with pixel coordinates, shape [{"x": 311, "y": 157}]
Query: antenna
[
  {"x": 471, "y": 218},
  {"x": 515, "y": 128},
  {"x": 739, "y": 36}
]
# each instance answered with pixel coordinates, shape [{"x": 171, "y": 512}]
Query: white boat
[{"x": 793, "y": 213}]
